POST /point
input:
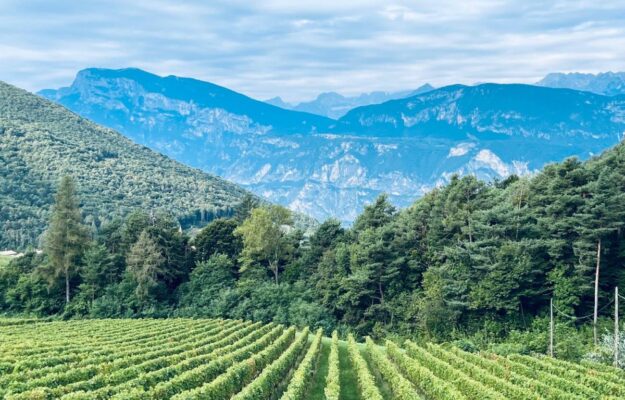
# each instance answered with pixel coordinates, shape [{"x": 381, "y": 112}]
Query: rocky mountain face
[
  {"x": 332, "y": 168},
  {"x": 606, "y": 83},
  {"x": 334, "y": 105}
]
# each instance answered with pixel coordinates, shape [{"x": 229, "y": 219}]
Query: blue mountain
[
  {"x": 606, "y": 83},
  {"x": 493, "y": 111},
  {"x": 335, "y": 105},
  {"x": 326, "y": 167},
  {"x": 134, "y": 100}
]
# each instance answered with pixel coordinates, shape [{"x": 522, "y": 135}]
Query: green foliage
[
  {"x": 264, "y": 238},
  {"x": 605, "y": 351},
  {"x": 333, "y": 381},
  {"x": 66, "y": 237},
  {"x": 469, "y": 261},
  {"x": 202, "y": 295},
  {"x": 40, "y": 142},
  {"x": 400, "y": 386},
  {"x": 233, "y": 359},
  {"x": 366, "y": 381},
  {"x": 301, "y": 379},
  {"x": 146, "y": 266},
  {"x": 4, "y": 261},
  {"x": 98, "y": 271},
  {"x": 217, "y": 237}
]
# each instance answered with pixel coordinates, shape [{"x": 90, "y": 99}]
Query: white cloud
[{"x": 298, "y": 49}]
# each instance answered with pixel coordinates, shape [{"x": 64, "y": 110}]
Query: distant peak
[
  {"x": 132, "y": 73},
  {"x": 278, "y": 102},
  {"x": 426, "y": 86},
  {"x": 276, "y": 99},
  {"x": 330, "y": 96},
  {"x": 605, "y": 83}
]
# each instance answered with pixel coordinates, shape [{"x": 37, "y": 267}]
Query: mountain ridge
[
  {"x": 334, "y": 105},
  {"x": 403, "y": 147},
  {"x": 605, "y": 83}
]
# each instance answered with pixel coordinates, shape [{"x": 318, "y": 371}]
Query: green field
[{"x": 223, "y": 359}]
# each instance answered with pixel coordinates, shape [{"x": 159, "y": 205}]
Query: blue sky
[{"x": 297, "y": 49}]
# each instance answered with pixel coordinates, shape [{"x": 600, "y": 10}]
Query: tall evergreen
[
  {"x": 244, "y": 209},
  {"x": 98, "y": 271},
  {"x": 146, "y": 266},
  {"x": 66, "y": 237}
]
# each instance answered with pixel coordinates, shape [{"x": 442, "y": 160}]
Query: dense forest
[
  {"x": 40, "y": 142},
  {"x": 471, "y": 261}
]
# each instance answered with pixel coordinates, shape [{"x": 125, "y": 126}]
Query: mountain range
[
  {"x": 606, "y": 83},
  {"x": 332, "y": 167},
  {"x": 41, "y": 141},
  {"x": 334, "y": 105}
]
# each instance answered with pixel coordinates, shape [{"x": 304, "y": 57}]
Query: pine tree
[
  {"x": 601, "y": 216},
  {"x": 244, "y": 209},
  {"x": 146, "y": 265},
  {"x": 67, "y": 237},
  {"x": 375, "y": 215},
  {"x": 98, "y": 271}
]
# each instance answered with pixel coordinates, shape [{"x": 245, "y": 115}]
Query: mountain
[
  {"x": 278, "y": 102},
  {"x": 334, "y": 105},
  {"x": 605, "y": 83},
  {"x": 41, "y": 141},
  {"x": 133, "y": 100},
  {"x": 403, "y": 147}
]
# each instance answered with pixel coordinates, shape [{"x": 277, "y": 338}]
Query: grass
[
  {"x": 319, "y": 382},
  {"x": 385, "y": 390},
  {"x": 349, "y": 380}
]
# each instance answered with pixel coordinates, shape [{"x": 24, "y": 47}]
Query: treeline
[{"x": 468, "y": 259}]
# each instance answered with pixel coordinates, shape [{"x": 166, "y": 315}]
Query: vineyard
[{"x": 222, "y": 359}]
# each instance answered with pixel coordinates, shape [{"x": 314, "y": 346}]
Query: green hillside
[{"x": 40, "y": 142}]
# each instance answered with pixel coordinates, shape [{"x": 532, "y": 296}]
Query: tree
[
  {"x": 264, "y": 238},
  {"x": 165, "y": 231},
  {"x": 373, "y": 273},
  {"x": 98, "y": 271},
  {"x": 244, "y": 209},
  {"x": 207, "y": 281},
  {"x": 66, "y": 237},
  {"x": 218, "y": 237},
  {"x": 375, "y": 215},
  {"x": 601, "y": 215},
  {"x": 146, "y": 265}
]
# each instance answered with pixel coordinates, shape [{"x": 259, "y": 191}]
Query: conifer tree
[
  {"x": 146, "y": 265},
  {"x": 97, "y": 272},
  {"x": 66, "y": 237}
]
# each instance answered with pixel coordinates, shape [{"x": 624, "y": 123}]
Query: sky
[{"x": 297, "y": 49}]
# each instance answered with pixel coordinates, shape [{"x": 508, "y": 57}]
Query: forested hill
[{"x": 41, "y": 141}]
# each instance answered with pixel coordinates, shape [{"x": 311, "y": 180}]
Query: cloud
[{"x": 298, "y": 49}]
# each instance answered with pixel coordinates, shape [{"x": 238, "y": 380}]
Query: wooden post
[
  {"x": 551, "y": 328},
  {"x": 594, "y": 329},
  {"x": 616, "y": 330}
]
